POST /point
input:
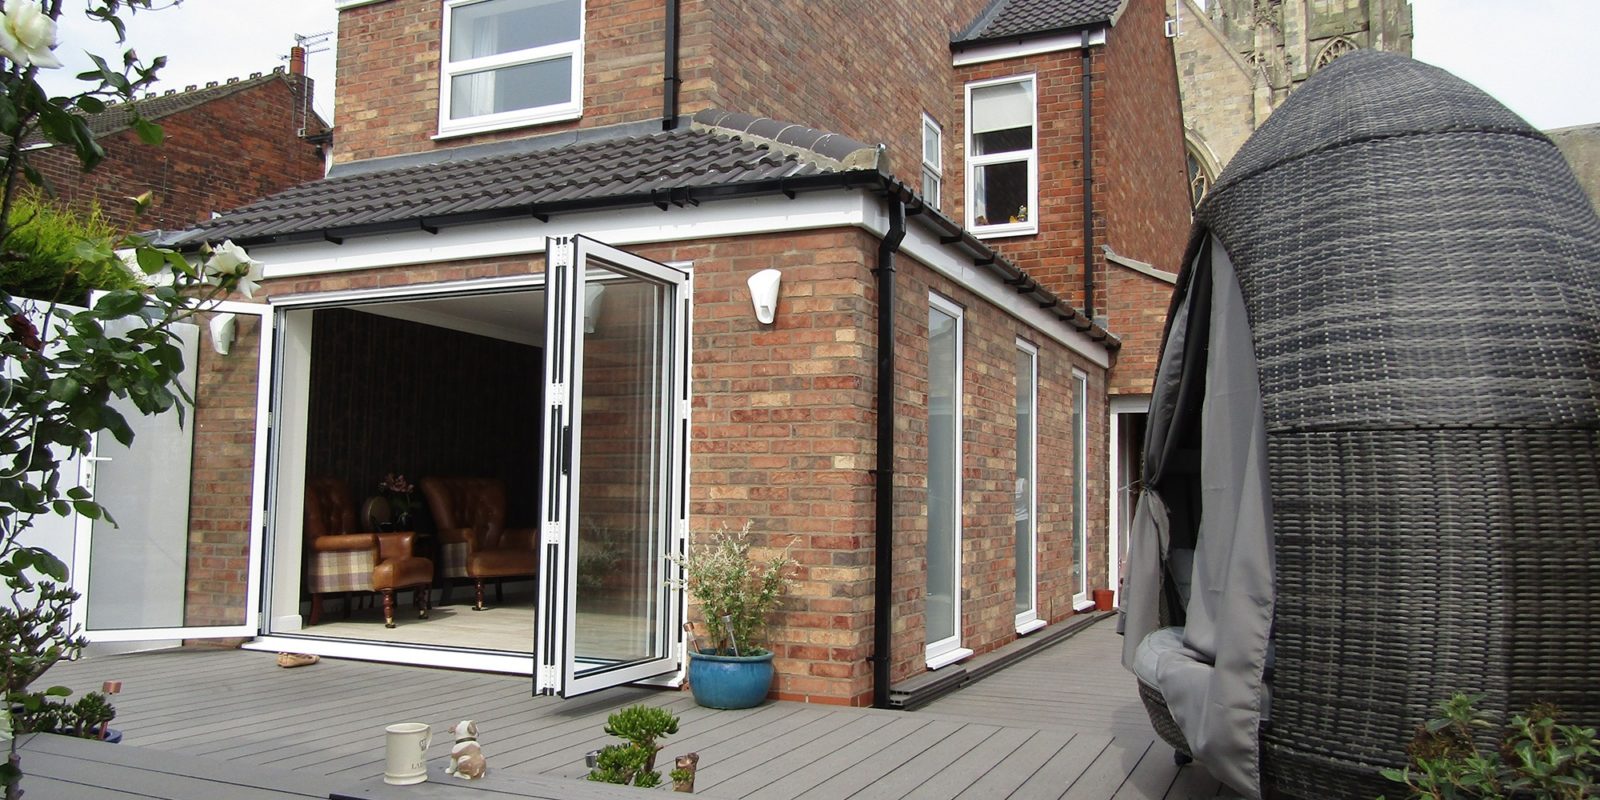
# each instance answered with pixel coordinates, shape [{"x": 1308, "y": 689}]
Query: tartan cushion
[
  {"x": 342, "y": 571},
  {"x": 454, "y": 556}
]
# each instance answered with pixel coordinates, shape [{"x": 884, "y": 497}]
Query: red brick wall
[
  {"x": 1053, "y": 256},
  {"x": 865, "y": 70},
  {"x": 388, "y": 75},
  {"x": 220, "y": 498},
  {"x": 1137, "y": 309},
  {"x": 783, "y": 433},
  {"x": 217, "y": 156},
  {"x": 988, "y": 618},
  {"x": 1146, "y": 200},
  {"x": 1146, "y": 180}
]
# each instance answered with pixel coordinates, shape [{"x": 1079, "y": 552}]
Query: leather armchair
[
  {"x": 474, "y": 542},
  {"x": 341, "y": 558}
]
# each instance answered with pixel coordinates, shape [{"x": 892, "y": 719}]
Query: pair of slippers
[{"x": 288, "y": 660}]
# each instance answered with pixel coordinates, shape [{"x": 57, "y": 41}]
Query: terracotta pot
[{"x": 1102, "y": 599}]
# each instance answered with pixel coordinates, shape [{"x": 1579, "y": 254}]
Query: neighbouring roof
[
  {"x": 153, "y": 107},
  {"x": 543, "y": 175},
  {"x": 1018, "y": 19}
]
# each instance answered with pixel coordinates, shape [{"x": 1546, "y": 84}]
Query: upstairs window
[
  {"x": 510, "y": 62},
  {"x": 932, "y": 160},
  {"x": 1002, "y": 160}
]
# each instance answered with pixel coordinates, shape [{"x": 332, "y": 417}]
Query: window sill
[
  {"x": 1025, "y": 628},
  {"x": 946, "y": 659},
  {"x": 1001, "y": 231},
  {"x": 459, "y": 129}
]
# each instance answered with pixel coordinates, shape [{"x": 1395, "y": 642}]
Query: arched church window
[
  {"x": 1333, "y": 50},
  {"x": 1199, "y": 178}
]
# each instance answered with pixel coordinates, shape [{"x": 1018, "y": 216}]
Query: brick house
[
  {"x": 531, "y": 261},
  {"x": 226, "y": 144}
]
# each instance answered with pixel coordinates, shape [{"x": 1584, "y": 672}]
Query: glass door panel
[
  {"x": 184, "y": 560},
  {"x": 620, "y": 506}
]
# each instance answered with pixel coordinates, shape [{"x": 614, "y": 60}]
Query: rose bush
[{"x": 61, "y": 369}]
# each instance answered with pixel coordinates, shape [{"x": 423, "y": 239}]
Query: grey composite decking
[{"x": 1063, "y": 723}]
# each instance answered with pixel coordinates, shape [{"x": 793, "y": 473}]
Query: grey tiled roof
[
  {"x": 531, "y": 180},
  {"x": 1006, "y": 19}
]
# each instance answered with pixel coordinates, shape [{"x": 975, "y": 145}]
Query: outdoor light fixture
[
  {"x": 764, "y": 295},
  {"x": 591, "y": 305},
  {"x": 223, "y": 327}
]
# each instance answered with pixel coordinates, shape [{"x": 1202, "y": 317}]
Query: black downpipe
[
  {"x": 670, "y": 80},
  {"x": 883, "y": 562},
  {"x": 1088, "y": 184}
]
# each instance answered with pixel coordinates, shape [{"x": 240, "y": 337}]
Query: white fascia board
[
  {"x": 619, "y": 228},
  {"x": 636, "y": 226},
  {"x": 1000, "y": 51},
  {"x": 923, "y": 245},
  {"x": 340, "y": 5}
]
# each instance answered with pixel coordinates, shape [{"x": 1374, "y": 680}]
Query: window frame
[
  {"x": 1029, "y": 156},
  {"x": 1080, "y": 484},
  {"x": 481, "y": 123},
  {"x": 1028, "y": 620},
  {"x": 948, "y": 649},
  {"x": 934, "y": 169}
]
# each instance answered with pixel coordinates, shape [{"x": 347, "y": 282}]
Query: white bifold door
[
  {"x": 616, "y": 435},
  {"x": 183, "y": 560}
]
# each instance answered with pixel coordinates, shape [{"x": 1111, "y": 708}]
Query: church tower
[{"x": 1239, "y": 59}]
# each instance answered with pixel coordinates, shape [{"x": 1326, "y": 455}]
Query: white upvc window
[
  {"x": 942, "y": 614},
  {"x": 1002, "y": 157},
  {"x": 506, "y": 63},
  {"x": 1025, "y": 505},
  {"x": 932, "y": 160},
  {"x": 1080, "y": 489}
]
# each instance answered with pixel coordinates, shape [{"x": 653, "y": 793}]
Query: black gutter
[
  {"x": 670, "y": 79},
  {"x": 883, "y": 545},
  {"x": 1088, "y": 184}
]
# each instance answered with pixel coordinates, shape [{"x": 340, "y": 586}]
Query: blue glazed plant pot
[{"x": 730, "y": 681}]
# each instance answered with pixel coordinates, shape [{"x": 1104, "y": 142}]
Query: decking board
[{"x": 1064, "y": 722}]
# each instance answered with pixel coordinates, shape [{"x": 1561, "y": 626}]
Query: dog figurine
[{"x": 466, "y": 758}]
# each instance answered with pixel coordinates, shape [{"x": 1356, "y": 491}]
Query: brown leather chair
[
  {"x": 341, "y": 558},
  {"x": 474, "y": 543}
]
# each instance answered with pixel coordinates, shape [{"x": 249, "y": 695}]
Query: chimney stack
[{"x": 297, "y": 60}]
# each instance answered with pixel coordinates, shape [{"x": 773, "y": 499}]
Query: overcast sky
[{"x": 1536, "y": 56}]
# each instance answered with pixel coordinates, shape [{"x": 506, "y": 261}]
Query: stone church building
[{"x": 1239, "y": 59}]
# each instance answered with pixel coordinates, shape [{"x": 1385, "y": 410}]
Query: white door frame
[{"x": 1118, "y": 407}]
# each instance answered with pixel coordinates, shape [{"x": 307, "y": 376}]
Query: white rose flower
[
  {"x": 27, "y": 34},
  {"x": 230, "y": 260}
]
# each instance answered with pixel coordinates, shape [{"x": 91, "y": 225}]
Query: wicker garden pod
[{"x": 1375, "y": 431}]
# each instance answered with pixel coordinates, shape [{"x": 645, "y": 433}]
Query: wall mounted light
[
  {"x": 764, "y": 295},
  {"x": 223, "y": 328},
  {"x": 591, "y": 305}
]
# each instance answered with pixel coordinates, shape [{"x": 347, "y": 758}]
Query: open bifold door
[
  {"x": 616, "y": 436},
  {"x": 184, "y": 558}
]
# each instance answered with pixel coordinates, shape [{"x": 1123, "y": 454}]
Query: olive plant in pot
[{"x": 735, "y": 594}]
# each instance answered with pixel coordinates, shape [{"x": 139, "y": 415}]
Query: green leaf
[
  {"x": 58, "y": 691},
  {"x": 46, "y": 562},
  {"x": 150, "y": 260},
  {"x": 64, "y": 389},
  {"x": 87, "y": 508},
  {"x": 149, "y": 132},
  {"x": 120, "y": 303},
  {"x": 89, "y": 104}
]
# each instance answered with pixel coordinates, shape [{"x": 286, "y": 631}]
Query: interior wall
[{"x": 389, "y": 395}]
